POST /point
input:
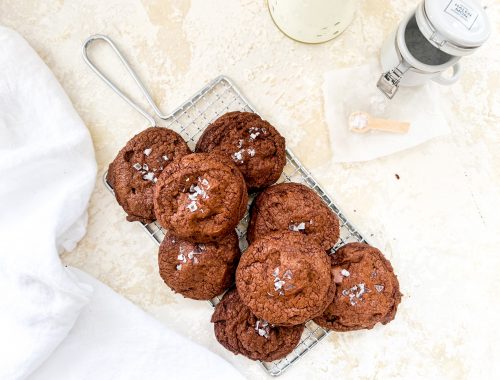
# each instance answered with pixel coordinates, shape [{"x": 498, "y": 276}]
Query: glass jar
[
  {"x": 312, "y": 21},
  {"x": 429, "y": 41}
]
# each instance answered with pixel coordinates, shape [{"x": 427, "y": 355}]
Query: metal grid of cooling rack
[{"x": 190, "y": 119}]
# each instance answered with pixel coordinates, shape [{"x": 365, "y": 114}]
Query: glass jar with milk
[{"x": 312, "y": 21}]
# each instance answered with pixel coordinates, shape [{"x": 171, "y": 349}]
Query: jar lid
[{"x": 457, "y": 27}]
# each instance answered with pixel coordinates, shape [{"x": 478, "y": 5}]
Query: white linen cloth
[
  {"x": 114, "y": 339},
  {"x": 354, "y": 89},
  {"x": 47, "y": 173}
]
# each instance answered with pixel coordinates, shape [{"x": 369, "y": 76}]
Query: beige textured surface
[{"x": 439, "y": 224}]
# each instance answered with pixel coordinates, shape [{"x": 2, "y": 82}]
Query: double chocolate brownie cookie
[
  {"x": 367, "y": 290},
  {"x": 294, "y": 207},
  {"x": 199, "y": 271},
  {"x": 285, "y": 278},
  {"x": 201, "y": 197},
  {"x": 253, "y": 144},
  {"x": 135, "y": 170},
  {"x": 241, "y": 332}
]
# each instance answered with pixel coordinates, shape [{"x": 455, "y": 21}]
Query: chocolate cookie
[
  {"x": 294, "y": 207},
  {"x": 285, "y": 278},
  {"x": 253, "y": 144},
  {"x": 367, "y": 290},
  {"x": 196, "y": 270},
  {"x": 201, "y": 197},
  {"x": 241, "y": 332},
  {"x": 135, "y": 170}
]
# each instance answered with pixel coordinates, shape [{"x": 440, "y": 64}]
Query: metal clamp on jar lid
[{"x": 432, "y": 39}]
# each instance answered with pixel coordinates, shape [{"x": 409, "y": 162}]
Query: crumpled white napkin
[
  {"x": 47, "y": 173},
  {"x": 354, "y": 89},
  {"x": 114, "y": 339}
]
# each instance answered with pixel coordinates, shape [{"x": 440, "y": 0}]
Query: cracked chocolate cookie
[
  {"x": 253, "y": 144},
  {"x": 285, "y": 278},
  {"x": 241, "y": 332},
  {"x": 367, "y": 290},
  {"x": 294, "y": 207},
  {"x": 201, "y": 197},
  {"x": 199, "y": 271},
  {"x": 135, "y": 170}
]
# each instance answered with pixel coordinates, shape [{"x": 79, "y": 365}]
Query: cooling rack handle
[{"x": 132, "y": 73}]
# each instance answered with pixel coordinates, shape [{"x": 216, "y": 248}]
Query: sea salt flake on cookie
[
  {"x": 362, "y": 290},
  {"x": 352, "y": 299},
  {"x": 149, "y": 176},
  {"x": 238, "y": 156},
  {"x": 287, "y": 275},
  {"x": 192, "y": 206},
  {"x": 191, "y": 255},
  {"x": 297, "y": 227},
  {"x": 263, "y": 333},
  {"x": 262, "y": 328},
  {"x": 345, "y": 273},
  {"x": 278, "y": 284},
  {"x": 253, "y": 136}
]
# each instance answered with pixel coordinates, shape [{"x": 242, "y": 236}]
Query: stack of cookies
[{"x": 288, "y": 275}]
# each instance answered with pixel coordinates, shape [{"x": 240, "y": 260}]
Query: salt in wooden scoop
[{"x": 362, "y": 122}]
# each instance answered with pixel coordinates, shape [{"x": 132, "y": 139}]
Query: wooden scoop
[{"x": 362, "y": 122}]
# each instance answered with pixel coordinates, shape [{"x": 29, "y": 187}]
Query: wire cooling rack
[{"x": 190, "y": 119}]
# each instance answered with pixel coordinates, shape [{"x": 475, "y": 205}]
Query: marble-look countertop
[{"x": 439, "y": 223}]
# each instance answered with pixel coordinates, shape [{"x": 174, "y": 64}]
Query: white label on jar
[{"x": 462, "y": 12}]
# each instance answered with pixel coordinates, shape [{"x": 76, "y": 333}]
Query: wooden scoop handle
[{"x": 388, "y": 125}]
